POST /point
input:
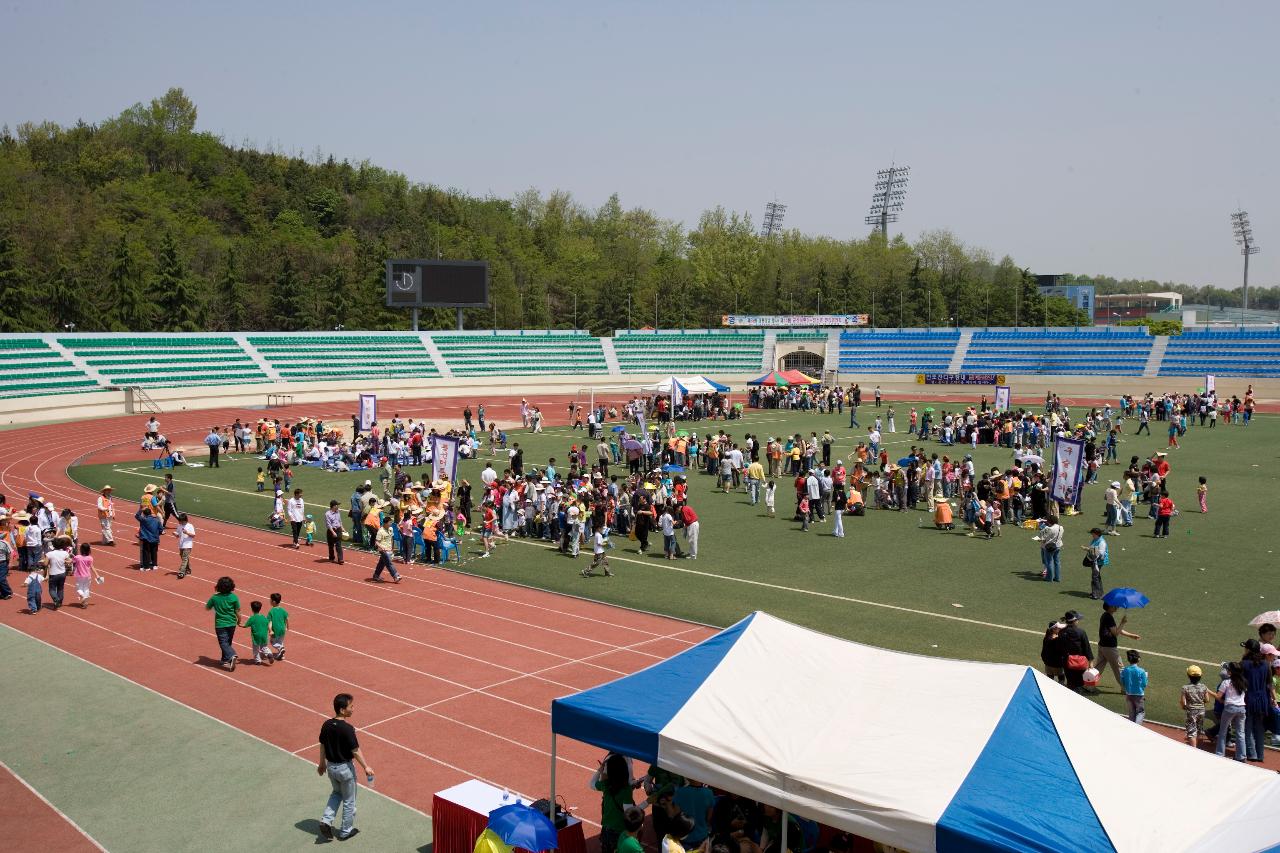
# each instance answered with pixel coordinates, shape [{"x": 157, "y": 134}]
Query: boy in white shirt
[
  {"x": 56, "y": 563},
  {"x": 598, "y": 545},
  {"x": 186, "y": 534}
]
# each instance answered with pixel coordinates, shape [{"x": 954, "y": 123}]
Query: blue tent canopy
[{"x": 836, "y": 731}]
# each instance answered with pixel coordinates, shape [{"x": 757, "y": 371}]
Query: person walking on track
[
  {"x": 297, "y": 511},
  {"x": 225, "y": 605},
  {"x": 214, "y": 440},
  {"x": 333, "y": 531},
  {"x": 186, "y": 534},
  {"x": 106, "y": 514},
  {"x": 339, "y": 753}
]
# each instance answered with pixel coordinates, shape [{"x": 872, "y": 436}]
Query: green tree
[
  {"x": 132, "y": 311},
  {"x": 18, "y": 306},
  {"x": 230, "y": 295},
  {"x": 286, "y": 299},
  {"x": 178, "y": 306},
  {"x": 66, "y": 297}
]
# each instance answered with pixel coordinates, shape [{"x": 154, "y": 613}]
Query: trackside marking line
[
  {"x": 41, "y": 797},
  {"x": 835, "y": 597},
  {"x": 182, "y": 704}
]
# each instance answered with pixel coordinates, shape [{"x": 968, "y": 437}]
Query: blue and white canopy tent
[{"x": 921, "y": 753}]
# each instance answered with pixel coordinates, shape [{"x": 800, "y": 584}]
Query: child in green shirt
[
  {"x": 279, "y": 619},
  {"x": 257, "y": 625},
  {"x": 632, "y": 821}
]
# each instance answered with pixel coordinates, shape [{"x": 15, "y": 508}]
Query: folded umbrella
[
  {"x": 1125, "y": 597},
  {"x": 520, "y": 825}
]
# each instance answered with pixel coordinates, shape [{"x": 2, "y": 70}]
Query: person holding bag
[
  {"x": 1075, "y": 650},
  {"x": 1095, "y": 557}
]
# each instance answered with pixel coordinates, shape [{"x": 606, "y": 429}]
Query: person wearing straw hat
[{"x": 106, "y": 514}]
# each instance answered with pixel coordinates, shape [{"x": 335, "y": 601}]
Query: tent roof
[
  {"x": 773, "y": 377},
  {"x": 845, "y": 733},
  {"x": 688, "y": 384},
  {"x": 795, "y": 377}
]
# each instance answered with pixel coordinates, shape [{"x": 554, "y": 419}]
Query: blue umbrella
[
  {"x": 906, "y": 460},
  {"x": 673, "y": 469},
  {"x": 619, "y": 428},
  {"x": 1125, "y": 597},
  {"x": 519, "y": 825}
]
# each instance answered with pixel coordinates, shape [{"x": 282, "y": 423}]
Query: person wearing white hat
[
  {"x": 1111, "y": 497},
  {"x": 106, "y": 513}
]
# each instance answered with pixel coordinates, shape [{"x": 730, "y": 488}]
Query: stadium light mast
[
  {"x": 888, "y": 198},
  {"x": 774, "y": 213},
  {"x": 1244, "y": 239}
]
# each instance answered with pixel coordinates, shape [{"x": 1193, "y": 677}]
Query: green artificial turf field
[{"x": 893, "y": 581}]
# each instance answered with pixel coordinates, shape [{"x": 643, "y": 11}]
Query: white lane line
[
  {"x": 179, "y": 702},
  {"x": 666, "y": 566},
  {"x": 41, "y": 797}
]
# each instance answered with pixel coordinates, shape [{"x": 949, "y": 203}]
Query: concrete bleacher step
[
  {"x": 1156, "y": 357},
  {"x": 79, "y": 361},
  {"x": 437, "y": 357},
  {"x": 610, "y": 356},
  {"x": 962, "y": 349},
  {"x": 252, "y": 352}
]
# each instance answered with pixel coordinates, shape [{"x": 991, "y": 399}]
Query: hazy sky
[{"x": 1108, "y": 137}]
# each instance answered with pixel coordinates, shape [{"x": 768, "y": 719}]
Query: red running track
[{"x": 454, "y": 674}]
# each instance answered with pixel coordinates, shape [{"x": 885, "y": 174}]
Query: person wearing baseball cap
[
  {"x": 106, "y": 513},
  {"x": 1192, "y": 702}
]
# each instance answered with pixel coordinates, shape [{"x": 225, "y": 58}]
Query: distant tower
[
  {"x": 773, "y": 215},
  {"x": 886, "y": 202},
  {"x": 1244, "y": 239}
]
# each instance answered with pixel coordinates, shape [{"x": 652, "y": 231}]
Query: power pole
[
  {"x": 1244, "y": 239},
  {"x": 887, "y": 200}
]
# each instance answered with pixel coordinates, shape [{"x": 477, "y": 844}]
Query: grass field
[{"x": 891, "y": 582}]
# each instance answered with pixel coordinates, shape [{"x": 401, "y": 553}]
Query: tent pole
[
  {"x": 785, "y": 820},
  {"x": 552, "y": 798}
]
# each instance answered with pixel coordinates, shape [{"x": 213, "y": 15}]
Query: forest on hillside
[{"x": 142, "y": 222}]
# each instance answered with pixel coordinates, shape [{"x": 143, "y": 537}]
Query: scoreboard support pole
[
  {"x": 459, "y": 310},
  {"x": 414, "y": 318}
]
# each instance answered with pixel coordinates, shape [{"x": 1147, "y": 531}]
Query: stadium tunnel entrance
[{"x": 803, "y": 360}]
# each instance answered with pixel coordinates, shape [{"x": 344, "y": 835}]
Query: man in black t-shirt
[
  {"x": 1109, "y": 634},
  {"x": 338, "y": 748}
]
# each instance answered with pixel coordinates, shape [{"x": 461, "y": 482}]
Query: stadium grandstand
[{"x": 38, "y": 365}]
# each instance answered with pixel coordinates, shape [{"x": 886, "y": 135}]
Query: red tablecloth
[{"x": 461, "y": 813}]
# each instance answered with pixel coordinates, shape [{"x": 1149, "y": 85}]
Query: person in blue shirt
[
  {"x": 214, "y": 441},
  {"x": 1134, "y": 680},
  {"x": 149, "y": 528}
]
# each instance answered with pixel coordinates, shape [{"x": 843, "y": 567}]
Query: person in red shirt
[
  {"x": 1164, "y": 516},
  {"x": 487, "y": 529},
  {"x": 689, "y": 521}
]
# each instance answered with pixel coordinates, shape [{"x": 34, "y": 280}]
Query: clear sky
[{"x": 1093, "y": 137}]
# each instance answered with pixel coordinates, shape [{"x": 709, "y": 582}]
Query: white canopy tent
[{"x": 849, "y": 735}]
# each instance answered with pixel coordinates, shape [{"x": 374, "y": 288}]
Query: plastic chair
[{"x": 447, "y": 545}]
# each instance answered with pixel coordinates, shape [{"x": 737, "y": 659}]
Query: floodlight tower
[
  {"x": 1244, "y": 239},
  {"x": 886, "y": 202},
  {"x": 774, "y": 212}
]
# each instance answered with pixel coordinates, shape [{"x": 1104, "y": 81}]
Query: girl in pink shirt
[{"x": 82, "y": 569}]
